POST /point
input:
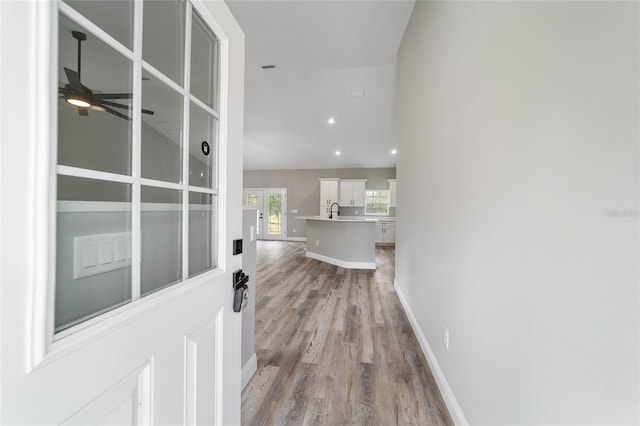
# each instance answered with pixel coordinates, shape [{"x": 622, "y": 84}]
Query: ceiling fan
[{"x": 83, "y": 98}]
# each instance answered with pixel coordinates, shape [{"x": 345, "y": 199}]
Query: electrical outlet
[
  {"x": 294, "y": 230},
  {"x": 317, "y": 243},
  {"x": 445, "y": 337},
  {"x": 356, "y": 212}
]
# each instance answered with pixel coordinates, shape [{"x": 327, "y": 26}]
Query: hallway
[{"x": 334, "y": 346}]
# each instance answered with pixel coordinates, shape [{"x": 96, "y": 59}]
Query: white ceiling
[{"x": 323, "y": 51}]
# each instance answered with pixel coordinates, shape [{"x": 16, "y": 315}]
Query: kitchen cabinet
[
  {"x": 328, "y": 194},
  {"x": 392, "y": 192},
  {"x": 352, "y": 192},
  {"x": 385, "y": 232}
]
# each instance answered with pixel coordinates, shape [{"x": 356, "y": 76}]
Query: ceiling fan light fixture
[
  {"x": 83, "y": 98},
  {"x": 78, "y": 101}
]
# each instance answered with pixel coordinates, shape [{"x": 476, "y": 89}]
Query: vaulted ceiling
[{"x": 333, "y": 59}]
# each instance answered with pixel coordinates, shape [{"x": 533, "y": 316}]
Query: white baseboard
[
  {"x": 342, "y": 263},
  {"x": 296, "y": 239},
  {"x": 249, "y": 369},
  {"x": 450, "y": 400},
  {"x": 285, "y": 239}
]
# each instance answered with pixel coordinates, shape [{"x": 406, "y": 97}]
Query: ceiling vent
[{"x": 357, "y": 93}]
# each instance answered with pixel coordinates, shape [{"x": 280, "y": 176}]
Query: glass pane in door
[
  {"x": 93, "y": 133},
  {"x": 201, "y": 233},
  {"x": 161, "y": 224},
  {"x": 274, "y": 220},
  {"x": 204, "y": 63},
  {"x": 251, "y": 200},
  {"x": 93, "y": 249},
  {"x": 202, "y": 148},
  {"x": 163, "y": 37},
  {"x": 113, "y": 17},
  {"x": 161, "y": 131}
]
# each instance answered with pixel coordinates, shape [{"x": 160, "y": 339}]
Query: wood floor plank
[
  {"x": 334, "y": 346},
  {"x": 322, "y": 325},
  {"x": 331, "y": 366},
  {"x": 317, "y": 412},
  {"x": 275, "y": 404},
  {"x": 322, "y": 291},
  {"x": 256, "y": 391},
  {"x": 365, "y": 336},
  {"x": 343, "y": 298},
  {"x": 366, "y": 411},
  {"x": 376, "y": 307},
  {"x": 295, "y": 407}
]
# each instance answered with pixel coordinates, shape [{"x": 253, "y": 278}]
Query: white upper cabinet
[
  {"x": 352, "y": 192},
  {"x": 328, "y": 194},
  {"x": 392, "y": 192}
]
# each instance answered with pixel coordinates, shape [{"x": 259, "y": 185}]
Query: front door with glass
[
  {"x": 272, "y": 211},
  {"x": 119, "y": 296}
]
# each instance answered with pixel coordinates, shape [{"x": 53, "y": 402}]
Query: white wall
[{"x": 518, "y": 171}]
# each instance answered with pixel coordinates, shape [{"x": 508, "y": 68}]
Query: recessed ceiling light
[
  {"x": 331, "y": 120},
  {"x": 393, "y": 151},
  {"x": 337, "y": 152}
]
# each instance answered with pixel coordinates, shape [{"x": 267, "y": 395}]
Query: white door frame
[{"x": 31, "y": 360}]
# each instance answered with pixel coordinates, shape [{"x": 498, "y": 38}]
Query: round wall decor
[{"x": 205, "y": 148}]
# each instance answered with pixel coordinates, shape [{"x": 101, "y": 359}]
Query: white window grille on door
[{"x": 138, "y": 161}]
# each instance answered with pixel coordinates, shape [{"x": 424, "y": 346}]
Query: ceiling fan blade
[
  {"x": 116, "y": 113},
  {"x": 83, "y": 111},
  {"x": 112, "y": 95},
  {"x": 74, "y": 79},
  {"x": 113, "y": 104}
]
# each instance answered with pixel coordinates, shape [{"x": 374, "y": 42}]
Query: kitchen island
[{"x": 348, "y": 242}]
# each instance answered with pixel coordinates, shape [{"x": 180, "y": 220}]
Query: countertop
[{"x": 341, "y": 218}]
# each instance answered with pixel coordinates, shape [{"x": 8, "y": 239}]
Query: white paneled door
[{"x": 116, "y": 224}]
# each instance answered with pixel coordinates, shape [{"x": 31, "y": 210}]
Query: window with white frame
[
  {"x": 137, "y": 152},
  {"x": 376, "y": 202}
]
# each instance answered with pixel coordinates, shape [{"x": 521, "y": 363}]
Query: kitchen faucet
[{"x": 331, "y": 210}]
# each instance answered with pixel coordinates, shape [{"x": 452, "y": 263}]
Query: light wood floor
[{"x": 334, "y": 346}]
